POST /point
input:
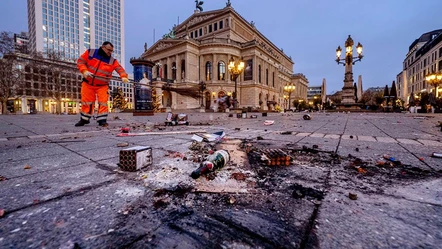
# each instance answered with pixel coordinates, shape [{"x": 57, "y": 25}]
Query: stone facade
[
  {"x": 200, "y": 50},
  {"x": 424, "y": 57}
]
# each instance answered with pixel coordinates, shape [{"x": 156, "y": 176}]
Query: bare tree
[
  {"x": 368, "y": 98},
  {"x": 10, "y": 79},
  {"x": 10, "y": 74},
  {"x": 6, "y": 43},
  {"x": 58, "y": 70}
]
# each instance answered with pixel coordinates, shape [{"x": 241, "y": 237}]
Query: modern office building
[
  {"x": 53, "y": 87},
  {"x": 313, "y": 93},
  {"x": 69, "y": 27},
  {"x": 201, "y": 48},
  {"x": 21, "y": 42},
  {"x": 424, "y": 57}
]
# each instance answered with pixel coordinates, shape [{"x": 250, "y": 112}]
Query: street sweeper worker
[{"x": 97, "y": 66}]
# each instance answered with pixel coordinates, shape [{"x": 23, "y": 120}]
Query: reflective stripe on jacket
[{"x": 100, "y": 66}]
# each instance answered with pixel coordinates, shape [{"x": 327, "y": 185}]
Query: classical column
[
  {"x": 178, "y": 68},
  {"x": 169, "y": 69},
  {"x": 214, "y": 67}
]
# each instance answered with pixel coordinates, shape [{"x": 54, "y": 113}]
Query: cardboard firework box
[{"x": 135, "y": 158}]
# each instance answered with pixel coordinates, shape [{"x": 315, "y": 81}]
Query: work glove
[
  {"x": 125, "y": 80},
  {"x": 87, "y": 74}
]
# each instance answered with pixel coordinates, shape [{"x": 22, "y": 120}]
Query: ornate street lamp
[
  {"x": 348, "y": 61},
  {"x": 434, "y": 79},
  {"x": 289, "y": 88},
  {"x": 235, "y": 69}
]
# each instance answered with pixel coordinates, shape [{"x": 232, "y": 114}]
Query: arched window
[
  {"x": 267, "y": 76},
  {"x": 259, "y": 73},
  {"x": 273, "y": 79},
  {"x": 208, "y": 70},
  {"x": 183, "y": 69},
  {"x": 221, "y": 70}
]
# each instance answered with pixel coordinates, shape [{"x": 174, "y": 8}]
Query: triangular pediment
[
  {"x": 161, "y": 45},
  {"x": 198, "y": 18}
]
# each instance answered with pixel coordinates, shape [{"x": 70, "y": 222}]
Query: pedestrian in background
[{"x": 97, "y": 66}]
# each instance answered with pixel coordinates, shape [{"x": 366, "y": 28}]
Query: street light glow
[{"x": 235, "y": 69}]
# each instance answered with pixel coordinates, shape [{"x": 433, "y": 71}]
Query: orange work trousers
[{"x": 89, "y": 95}]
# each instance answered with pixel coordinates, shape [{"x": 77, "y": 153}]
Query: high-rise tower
[{"x": 69, "y": 27}]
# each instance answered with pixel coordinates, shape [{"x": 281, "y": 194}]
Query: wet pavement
[{"x": 62, "y": 188}]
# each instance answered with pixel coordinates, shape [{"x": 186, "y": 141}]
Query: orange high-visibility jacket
[{"x": 100, "y": 66}]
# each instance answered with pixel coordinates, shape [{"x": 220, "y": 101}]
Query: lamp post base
[{"x": 349, "y": 106}]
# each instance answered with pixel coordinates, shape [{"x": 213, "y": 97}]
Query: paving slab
[{"x": 74, "y": 192}]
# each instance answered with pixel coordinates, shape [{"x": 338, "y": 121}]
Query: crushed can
[{"x": 213, "y": 162}]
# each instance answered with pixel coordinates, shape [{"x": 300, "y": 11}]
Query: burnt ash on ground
[{"x": 276, "y": 212}]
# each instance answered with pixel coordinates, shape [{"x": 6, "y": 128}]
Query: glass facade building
[{"x": 69, "y": 27}]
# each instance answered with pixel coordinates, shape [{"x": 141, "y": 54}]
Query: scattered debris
[
  {"x": 286, "y": 133},
  {"x": 307, "y": 117},
  {"x": 124, "y": 144},
  {"x": 176, "y": 119},
  {"x": 2, "y": 212},
  {"x": 238, "y": 176},
  {"x": 391, "y": 159},
  {"x": 269, "y": 122},
  {"x": 158, "y": 133},
  {"x": 231, "y": 200},
  {"x": 352, "y": 196},
  {"x": 67, "y": 141},
  {"x": 300, "y": 192},
  {"x": 216, "y": 136},
  {"x": 437, "y": 155},
  {"x": 2, "y": 178},
  {"x": 125, "y": 129},
  {"x": 215, "y": 161},
  {"x": 135, "y": 158},
  {"x": 253, "y": 116},
  {"x": 271, "y": 157},
  {"x": 27, "y": 167}
]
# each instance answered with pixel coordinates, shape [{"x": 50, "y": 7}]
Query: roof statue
[
  {"x": 145, "y": 46},
  {"x": 228, "y": 4},
  {"x": 171, "y": 34},
  {"x": 199, "y": 5}
]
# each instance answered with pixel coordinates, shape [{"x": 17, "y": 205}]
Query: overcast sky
[{"x": 307, "y": 30}]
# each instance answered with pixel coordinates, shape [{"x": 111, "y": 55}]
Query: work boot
[
  {"x": 82, "y": 122},
  {"x": 102, "y": 123}
]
